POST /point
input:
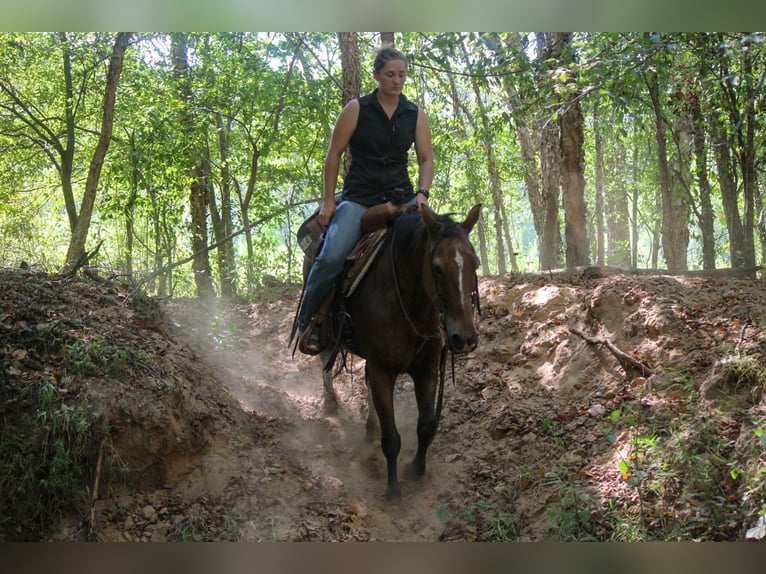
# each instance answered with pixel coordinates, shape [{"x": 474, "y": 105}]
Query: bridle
[
  {"x": 437, "y": 299},
  {"x": 438, "y": 302}
]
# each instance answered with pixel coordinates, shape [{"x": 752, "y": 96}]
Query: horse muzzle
[{"x": 463, "y": 343}]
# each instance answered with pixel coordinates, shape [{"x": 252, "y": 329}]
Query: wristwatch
[{"x": 424, "y": 191}]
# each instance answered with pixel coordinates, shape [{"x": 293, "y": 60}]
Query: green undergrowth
[
  {"x": 50, "y": 444},
  {"x": 683, "y": 468}
]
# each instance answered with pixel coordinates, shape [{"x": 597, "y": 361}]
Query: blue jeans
[{"x": 341, "y": 236}]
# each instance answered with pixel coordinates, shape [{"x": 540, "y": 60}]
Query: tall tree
[
  {"x": 674, "y": 207},
  {"x": 549, "y": 51},
  {"x": 573, "y": 163},
  {"x": 706, "y": 221},
  {"x": 222, "y": 217},
  {"x": 747, "y": 148},
  {"x": 43, "y": 115},
  {"x": 598, "y": 182},
  {"x": 76, "y": 250},
  {"x": 196, "y": 167},
  {"x": 514, "y": 62},
  {"x": 615, "y": 195},
  {"x": 351, "y": 68}
]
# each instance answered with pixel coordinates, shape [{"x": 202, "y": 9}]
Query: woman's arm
[
  {"x": 425, "y": 155},
  {"x": 341, "y": 135}
]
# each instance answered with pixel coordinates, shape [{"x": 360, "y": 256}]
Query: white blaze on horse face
[{"x": 459, "y": 263}]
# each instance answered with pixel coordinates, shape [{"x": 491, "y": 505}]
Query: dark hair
[{"x": 385, "y": 54}]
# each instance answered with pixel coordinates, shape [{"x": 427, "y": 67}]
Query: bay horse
[{"x": 417, "y": 301}]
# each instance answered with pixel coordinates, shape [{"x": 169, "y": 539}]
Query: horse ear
[
  {"x": 471, "y": 218},
  {"x": 429, "y": 218}
]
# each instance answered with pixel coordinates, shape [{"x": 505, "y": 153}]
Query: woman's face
[{"x": 391, "y": 77}]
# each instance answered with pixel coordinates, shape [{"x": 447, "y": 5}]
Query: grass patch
[
  {"x": 98, "y": 357},
  {"x": 44, "y": 465}
]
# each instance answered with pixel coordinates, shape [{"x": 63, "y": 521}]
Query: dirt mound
[{"x": 596, "y": 407}]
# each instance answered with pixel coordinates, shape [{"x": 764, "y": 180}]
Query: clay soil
[{"x": 598, "y": 406}]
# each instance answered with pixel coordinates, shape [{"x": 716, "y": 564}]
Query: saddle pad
[{"x": 361, "y": 258}]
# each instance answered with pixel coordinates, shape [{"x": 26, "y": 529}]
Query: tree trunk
[
  {"x": 350, "y": 65},
  {"x": 747, "y": 155},
  {"x": 550, "y": 166},
  {"x": 634, "y": 209},
  {"x": 703, "y": 183},
  {"x": 486, "y": 135},
  {"x": 198, "y": 192},
  {"x": 531, "y": 173},
  {"x": 352, "y": 78},
  {"x": 244, "y": 207},
  {"x": 598, "y": 176},
  {"x": 198, "y": 202},
  {"x": 459, "y": 110},
  {"x": 67, "y": 151},
  {"x": 483, "y": 256},
  {"x": 673, "y": 218},
  {"x": 223, "y": 225},
  {"x": 681, "y": 177},
  {"x": 573, "y": 174},
  {"x": 494, "y": 187},
  {"x": 617, "y": 218},
  {"x": 729, "y": 193},
  {"x": 387, "y": 39},
  {"x": 550, "y": 242},
  {"x": 130, "y": 208},
  {"x": 160, "y": 250},
  {"x": 76, "y": 250}
]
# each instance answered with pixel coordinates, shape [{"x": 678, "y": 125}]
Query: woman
[{"x": 379, "y": 129}]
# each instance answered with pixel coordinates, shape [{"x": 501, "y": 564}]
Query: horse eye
[{"x": 438, "y": 271}]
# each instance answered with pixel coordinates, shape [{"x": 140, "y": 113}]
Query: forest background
[{"x": 186, "y": 161}]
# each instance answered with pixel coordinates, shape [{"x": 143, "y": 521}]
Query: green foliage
[
  {"x": 260, "y": 111},
  {"x": 98, "y": 357},
  {"x": 483, "y": 522},
  {"x": 45, "y": 466}
]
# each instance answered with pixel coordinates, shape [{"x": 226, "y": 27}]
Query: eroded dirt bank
[{"x": 215, "y": 431}]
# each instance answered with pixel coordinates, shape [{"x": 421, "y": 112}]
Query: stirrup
[{"x": 310, "y": 340}]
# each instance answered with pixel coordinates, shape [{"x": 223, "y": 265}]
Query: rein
[{"x": 425, "y": 338}]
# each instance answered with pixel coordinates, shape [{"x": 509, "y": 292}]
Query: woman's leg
[{"x": 341, "y": 236}]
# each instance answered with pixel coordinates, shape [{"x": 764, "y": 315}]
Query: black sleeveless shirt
[{"x": 379, "y": 152}]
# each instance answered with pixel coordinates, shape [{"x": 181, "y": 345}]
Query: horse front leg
[
  {"x": 425, "y": 394},
  {"x": 381, "y": 388}
]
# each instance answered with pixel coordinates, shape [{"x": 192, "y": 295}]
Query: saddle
[
  {"x": 360, "y": 259},
  {"x": 374, "y": 225}
]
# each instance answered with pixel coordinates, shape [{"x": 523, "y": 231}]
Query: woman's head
[
  {"x": 390, "y": 71},
  {"x": 386, "y": 54}
]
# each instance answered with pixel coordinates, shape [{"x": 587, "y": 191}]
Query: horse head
[{"x": 452, "y": 265}]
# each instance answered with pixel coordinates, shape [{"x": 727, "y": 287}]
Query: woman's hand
[{"x": 326, "y": 212}]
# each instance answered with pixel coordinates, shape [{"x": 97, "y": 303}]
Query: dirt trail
[
  {"x": 535, "y": 431},
  {"x": 332, "y": 451}
]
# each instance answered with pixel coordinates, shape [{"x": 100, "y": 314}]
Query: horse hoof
[
  {"x": 414, "y": 470},
  {"x": 329, "y": 406},
  {"x": 393, "y": 494}
]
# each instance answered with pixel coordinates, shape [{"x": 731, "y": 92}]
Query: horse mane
[{"x": 410, "y": 229}]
